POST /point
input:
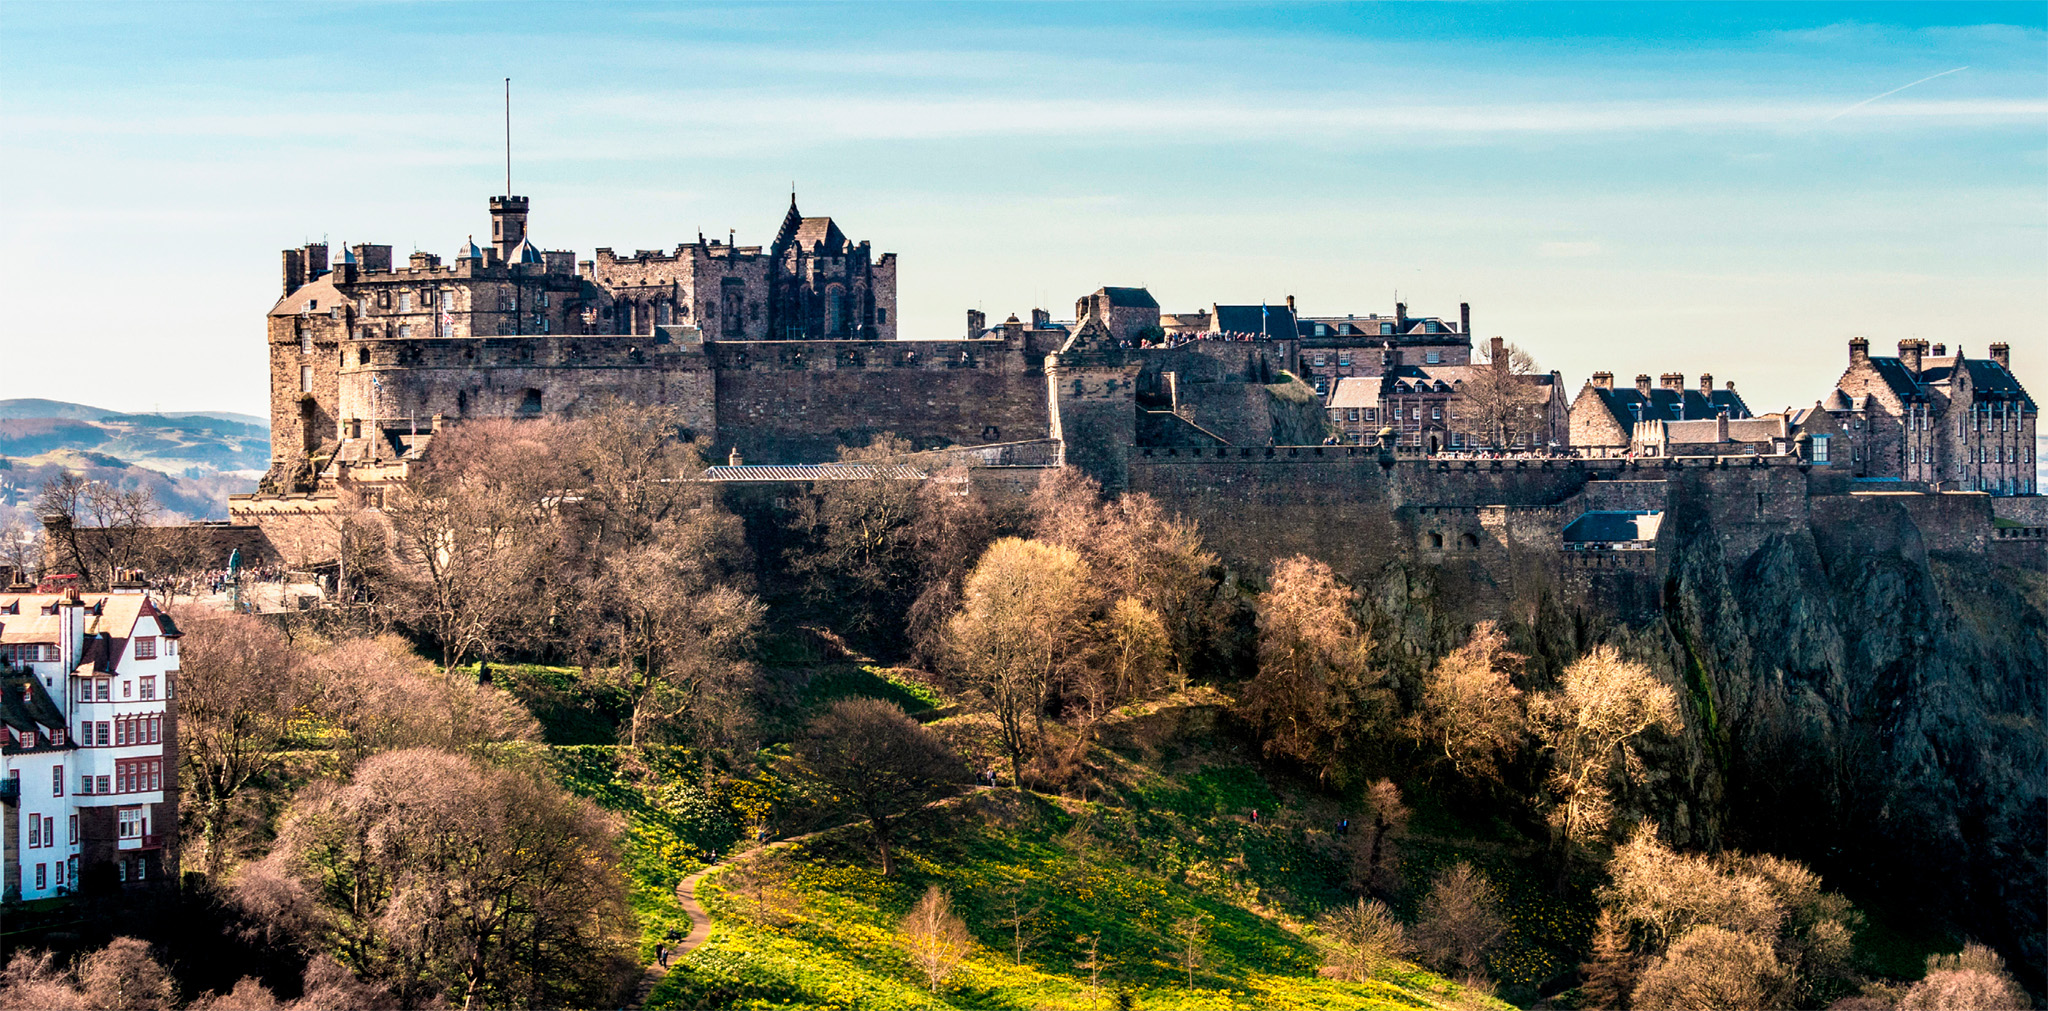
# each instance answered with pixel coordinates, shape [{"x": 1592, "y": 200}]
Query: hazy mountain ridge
[{"x": 191, "y": 461}]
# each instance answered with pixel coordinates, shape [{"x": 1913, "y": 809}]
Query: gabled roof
[
  {"x": 1273, "y": 322},
  {"x": 1898, "y": 378},
  {"x": 1130, "y": 298},
  {"x": 1613, "y": 525},
  {"x": 1988, "y": 379},
  {"x": 319, "y": 291}
]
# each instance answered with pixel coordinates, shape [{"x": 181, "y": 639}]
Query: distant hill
[
  {"x": 175, "y": 444},
  {"x": 190, "y": 460}
]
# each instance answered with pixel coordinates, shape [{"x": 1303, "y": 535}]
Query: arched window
[{"x": 835, "y": 311}]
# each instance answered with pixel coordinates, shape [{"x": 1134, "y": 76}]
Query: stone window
[
  {"x": 427, "y": 296},
  {"x": 529, "y": 402},
  {"x": 405, "y": 301},
  {"x": 881, "y": 315},
  {"x": 543, "y": 299},
  {"x": 1432, "y": 357},
  {"x": 383, "y": 300},
  {"x": 305, "y": 342},
  {"x": 305, "y": 379},
  {"x": 405, "y": 330}
]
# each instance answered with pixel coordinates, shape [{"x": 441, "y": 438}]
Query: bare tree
[
  {"x": 123, "y": 976},
  {"x": 450, "y": 878},
  {"x": 878, "y": 762},
  {"x": 1023, "y": 632},
  {"x": 1471, "y": 711},
  {"x": 384, "y": 698},
  {"x": 1316, "y": 696},
  {"x": 1374, "y": 861},
  {"x": 760, "y": 887},
  {"x": 935, "y": 939},
  {"x": 1610, "y": 974},
  {"x": 476, "y": 524},
  {"x": 856, "y": 544},
  {"x": 1359, "y": 940},
  {"x": 1460, "y": 922},
  {"x": 1500, "y": 401},
  {"x": 240, "y": 690},
  {"x": 1974, "y": 978},
  {"x": 1022, "y": 919},
  {"x": 1191, "y": 944},
  {"x": 1590, "y": 725},
  {"x": 1710, "y": 967},
  {"x": 100, "y": 530},
  {"x": 21, "y": 549}
]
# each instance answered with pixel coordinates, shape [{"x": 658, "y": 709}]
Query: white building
[{"x": 88, "y": 771}]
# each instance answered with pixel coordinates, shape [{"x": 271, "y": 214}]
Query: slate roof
[
  {"x": 1629, "y": 404},
  {"x": 1898, "y": 378},
  {"x": 1131, "y": 298},
  {"x": 1604, "y": 525},
  {"x": 1274, "y": 322},
  {"x": 821, "y": 231},
  {"x": 1988, "y": 379},
  {"x": 25, "y": 706},
  {"x": 813, "y": 472}
]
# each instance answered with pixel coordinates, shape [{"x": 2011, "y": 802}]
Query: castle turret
[{"x": 508, "y": 224}]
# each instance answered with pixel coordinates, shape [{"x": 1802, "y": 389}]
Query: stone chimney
[
  {"x": 1040, "y": 319},
  {"x": 2002, "y": 354},
  {"x": 1940, "y": 350},
  {"x": 1672, "y": 381},
  {"x": 1909, "y": 354},
  {"x": 1465, "y": 318},
  {"x": 1706, "y": 383},
  {"x": 977, "y": 323},
  {"x": 1603, "y": 380},
  {"x": 1400, "y": 316},
  {"x": 1290, "y": 305},
  {"x": 1721, "y": 425},
  {"x": 732, "y": 459},
  {"x": 1497, "y": 353},
  {"x": 1730, "y": 386},
  {"x": 1859, "y": 350},
  {"x": 1643, "y": 384}
]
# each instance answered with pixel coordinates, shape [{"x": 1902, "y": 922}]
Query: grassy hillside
[{"x": 1167, "y": 838}]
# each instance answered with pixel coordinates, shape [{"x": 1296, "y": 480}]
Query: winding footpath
[{"x": 700, "y": 921}]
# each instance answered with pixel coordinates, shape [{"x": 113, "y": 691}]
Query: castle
[{"x": 1310, "y": 430}]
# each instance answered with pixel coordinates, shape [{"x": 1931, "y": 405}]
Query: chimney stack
[
  {"x": 1040, "y": 319},
  {"x": 1643, "y": 384},
  {"x": 732, "y": 459},
  {"x": 1290, "y": 305},
  {"x": 1400, "y": 316},
  {"x": 1603, "y": 380},
  {"x": 1706, "y": 384},
  {"x": 1940, "y": 350},
  {"x": 977, "y": 323},
  {"x": 1859, "y": 350},
  {"x": 1465, "y": 318},
  {"x": 1909, "y": 354},
  {"x": 1672, "y": 381},
  {"x": 1497, "y": 353},
  {"x": 2002, "y": 354},
  {"x": 1721, "y": 425}
]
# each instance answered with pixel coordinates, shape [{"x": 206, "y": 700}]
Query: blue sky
[{"x": 1634, "y": 188}]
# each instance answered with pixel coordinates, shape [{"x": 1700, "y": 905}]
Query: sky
[{"x": 1734, "y": 189}]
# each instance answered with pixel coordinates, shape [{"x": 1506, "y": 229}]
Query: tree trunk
[{"x": 215, "y": 832}]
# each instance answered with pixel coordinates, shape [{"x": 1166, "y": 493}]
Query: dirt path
[{"x": 700, "y": 921}]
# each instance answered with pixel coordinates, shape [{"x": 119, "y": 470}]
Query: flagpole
[{"x": 508, "y": 136}]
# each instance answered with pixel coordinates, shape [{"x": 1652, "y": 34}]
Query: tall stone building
[
  {"x": 1952, "y": 422},
  {"x": 364, "y": 352}
]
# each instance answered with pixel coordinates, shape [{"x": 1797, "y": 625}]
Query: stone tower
[{"x": 508, "y": 224}]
